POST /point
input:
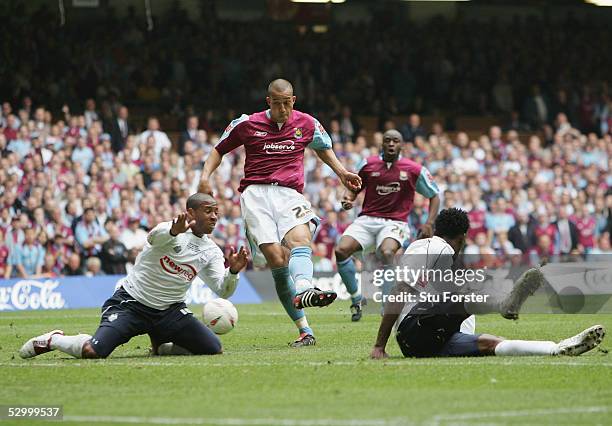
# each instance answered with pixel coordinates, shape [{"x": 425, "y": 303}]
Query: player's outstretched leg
[
  {"x": 72, "y": 345},
  {"x": 346, "y": 268},
  {"x": 524, "y": 287},
  {"x": 573, "y": 346},
  {"x": 510, "y": 306}
]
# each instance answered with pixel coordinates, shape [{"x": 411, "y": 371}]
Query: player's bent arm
[
  {"x": 392, "y": 311},
  {"x": 384, "y": 330},
  {"x": 218, "y": 278},
  {"x": 328, "y": 156},
  {"x": 426, "y": 186},
  {"x": 349, "y": 180},
  {"x": 434, "y": 208},
  {"x": 212, "y": 163}
]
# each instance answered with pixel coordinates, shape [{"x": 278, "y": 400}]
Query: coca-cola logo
[
  {"x": 279, "y": 147},
  {"x": 30, "y": 294},
  {"x": 183, "y": 270}
]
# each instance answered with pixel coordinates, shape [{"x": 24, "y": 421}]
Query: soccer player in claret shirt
[
  {"x": 151, "y": 299},
  {"x": 389, "y": 182},
  {"x": 272, "y": 204}
]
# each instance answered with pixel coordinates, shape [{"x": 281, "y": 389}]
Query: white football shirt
[
  {"x": 167, "y": 265},
  {"x": 431, "y": 254}
]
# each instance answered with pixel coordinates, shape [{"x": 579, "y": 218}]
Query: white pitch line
[
  {"x": 453, "y": 418},
  {"x": 407, "y": 363},
  {"x": 232, "y": 421}
]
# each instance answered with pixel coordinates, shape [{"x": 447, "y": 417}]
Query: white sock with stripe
[{"x": 71, "y": 345}]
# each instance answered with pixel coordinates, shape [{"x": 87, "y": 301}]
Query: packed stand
[{"x": 78, "y": 193}]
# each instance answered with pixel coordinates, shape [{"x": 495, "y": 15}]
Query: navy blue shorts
[
  {"x": 461, "y": 344},
  {"x": 425, "y": 336},
  {"x": 123, "y": 318}
]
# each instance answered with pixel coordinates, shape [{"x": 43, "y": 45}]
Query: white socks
[
  {"x": 302, "y": 285},
  {"x": 71, "y": 345},
  {"x": 301, "y": 323},
  {"x": 525, "y": 347}
]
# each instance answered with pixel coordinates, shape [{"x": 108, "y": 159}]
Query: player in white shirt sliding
[
  {"x": 433, "y": 329},
  {"x": 151, "y": 299}
]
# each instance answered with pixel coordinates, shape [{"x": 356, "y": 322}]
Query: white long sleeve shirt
[{"x": 167, "y": 265}]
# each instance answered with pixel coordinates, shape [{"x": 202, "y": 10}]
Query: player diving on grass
[
  {"x": 151, "y": 298},
  {"x": 279, "y": 221},
  {"x": 429, "y": 329},
  {"x": 390, "y": 182}
]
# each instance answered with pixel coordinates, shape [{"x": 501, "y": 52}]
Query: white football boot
[
  {"x": 582, "y": 342},
  {"x": 38, "y": 345}
]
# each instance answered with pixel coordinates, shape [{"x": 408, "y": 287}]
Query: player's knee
[
  {"x": 276, "y": 256},
  {"x": 342, "y": 253},
  {"x": 89, "y": 352},
  {"x": 210, "y": 348}
]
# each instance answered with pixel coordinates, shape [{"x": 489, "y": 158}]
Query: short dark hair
[
  {"x": 452, "y": 223},
  {"x": 199, "y": 198}
]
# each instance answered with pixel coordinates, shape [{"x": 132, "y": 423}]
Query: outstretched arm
[
  {"x": 384, "y": 331},
  {"x": 427, "y": 228},
  {"x": 212, "y": 163},
  {"x": 392, "y": 311},
  {"x": 350, "y": 180}
]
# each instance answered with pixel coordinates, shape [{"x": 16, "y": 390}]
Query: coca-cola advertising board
[{"x": 91, "y": 292}]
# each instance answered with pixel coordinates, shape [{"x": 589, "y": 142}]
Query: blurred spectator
[
  {"x": 50, "y": 268},
  {"x": 4, "y": 254},
  {"x": 189, "y": 134},
  {"x": 585, "y": 223},
  {"x": 413, "y": 128},
  {"x": 89, "y": 233},
  {"x": 134, "y": 237},
  {"x": 320, "y": 260},
  {"x": 73, "y": 266},
  {"x": 567, "y": 232},
  {"x": 27, "y": 260},
  {"x": 160, "y": 139},
  {"x": 522, "y": 233},
  {"x": 119, "y": 128},
  {"x": 90, "y": 112},
  {"x": 114, "y": 254},
  {"x": 93, "y": 267}
]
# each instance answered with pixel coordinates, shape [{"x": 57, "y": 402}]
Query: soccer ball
[{"x": 220, "y": 315}]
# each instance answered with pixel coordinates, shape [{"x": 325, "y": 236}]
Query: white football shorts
[
  {"x": 269, "y": 212},
  {"x": 370, "y": 231}
]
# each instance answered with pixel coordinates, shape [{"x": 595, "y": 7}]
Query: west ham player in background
[
  {"x": 272, "y": 204},
  {"x": 151, "y": 299},
  {"x": 433, "y": 329},
  {"x": 390, "y": 183}
]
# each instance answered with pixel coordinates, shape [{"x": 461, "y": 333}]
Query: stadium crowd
[{"x": 78, "y": 192}]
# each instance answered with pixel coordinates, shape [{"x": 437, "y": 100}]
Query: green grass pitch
[{"x": 259, "y": 380}]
